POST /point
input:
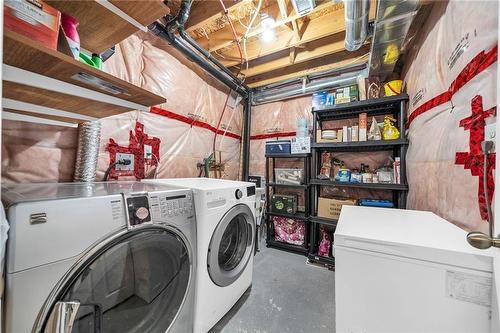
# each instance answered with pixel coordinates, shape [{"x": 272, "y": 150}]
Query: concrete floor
[{"x": 287, "y": 295}]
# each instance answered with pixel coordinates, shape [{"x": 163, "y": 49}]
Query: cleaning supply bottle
[{"x": 69, "y": 25}]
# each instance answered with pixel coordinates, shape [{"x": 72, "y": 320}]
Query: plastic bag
[
  {"x": 390, "y": 132},
  {"x": 325, "y": 243},
  {"x": 289, "y": 230},
  {"x": 374, "y": 133}
]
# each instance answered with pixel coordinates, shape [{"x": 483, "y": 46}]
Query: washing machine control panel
[
  {"x": 138, "y": 210},
  {"x": 171, "y": 207}
]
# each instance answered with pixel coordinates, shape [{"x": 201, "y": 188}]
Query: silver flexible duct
[
  {"x": 89, "y": 137},
  {"x": 272, "y": 95},
  {"x": 356, "y": 23}
]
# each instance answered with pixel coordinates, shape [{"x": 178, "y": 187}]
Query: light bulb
[
  {"x": 268, "y": 35},
  {"x": 267, "y": 22}
]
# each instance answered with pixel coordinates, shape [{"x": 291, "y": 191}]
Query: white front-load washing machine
[
  {"x": 225, "y": 219},
  {"x": 99, "y": 257}
]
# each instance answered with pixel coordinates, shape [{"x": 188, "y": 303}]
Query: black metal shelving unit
[
  {"x": 395, "y": 106},
  {"x": 271, "y": 186}
]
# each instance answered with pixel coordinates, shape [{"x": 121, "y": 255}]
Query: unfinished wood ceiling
[{"x": 302, "y": 45}]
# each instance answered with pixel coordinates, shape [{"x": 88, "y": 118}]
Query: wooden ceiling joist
[
  {"x": 303, "y": 44},
  {"x": 204, "y": 12},
  {"x": 333, "y": 61},
  {"x": 326, "y": 25},
  {"x": 313, "y": 50},
  {"x": 223, "y": 38}
]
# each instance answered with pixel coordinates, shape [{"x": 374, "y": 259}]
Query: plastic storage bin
[{"x": 278, "y": 147}]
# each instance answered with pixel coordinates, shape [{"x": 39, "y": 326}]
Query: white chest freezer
[{"x": 408, "y": 271}]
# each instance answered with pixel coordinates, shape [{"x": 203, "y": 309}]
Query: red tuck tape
[
  {"x": 192, "y": 122},
  {"x": 474, "y": 159},
  {"x": 478, "y": 64},
  {"x": 271, "y": 135},
  {"x": 138, "y": 139}
]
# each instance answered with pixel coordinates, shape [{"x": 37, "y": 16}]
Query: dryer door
[
  {"x": 136, "y": 282},
  {"x": 231, "y": 245}
]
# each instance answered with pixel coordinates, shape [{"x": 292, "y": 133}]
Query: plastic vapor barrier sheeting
[
  {"x": 454, "y": 67},
  {"x": 186, "y": 128}
]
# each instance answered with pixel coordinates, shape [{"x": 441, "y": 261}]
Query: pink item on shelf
[
  {"x": 69, "y": 25},
  {"x": 325, "y": 243},
  {"x": 289, "y": 230}
]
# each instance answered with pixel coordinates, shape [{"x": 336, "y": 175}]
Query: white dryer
[
  {"x": 225, "y": 214},
  {"x": 99, "y": 257}
]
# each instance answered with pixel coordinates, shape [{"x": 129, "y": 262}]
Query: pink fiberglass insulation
[
  {"x": 454, "y": 62},
  {"x": 146, "y": 61}
]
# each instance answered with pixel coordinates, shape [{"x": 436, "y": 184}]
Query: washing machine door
[
  {"x": 231, "y": 245},
  {"x": 136, "y": 283}
]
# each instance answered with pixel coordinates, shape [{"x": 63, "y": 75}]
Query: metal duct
[
  {"x": 272, "y": 95},
  {"x": 89, "y": 137},
  {"x": 356, "y": 23},
  {"x": 393, "y": 21}
]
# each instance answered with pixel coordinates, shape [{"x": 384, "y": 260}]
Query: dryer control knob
[{"x": 238, "y": 194}]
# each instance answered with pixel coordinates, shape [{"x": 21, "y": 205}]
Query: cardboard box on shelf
[
  {"x": 363, "y": 124},
  {"x": 346, "y": 94},
  {"x": 33, "y": 19},
  {"x": 301, "y": 145},
  {"x": 321, "y": 139},
  {"x": 330, "y": 207}
]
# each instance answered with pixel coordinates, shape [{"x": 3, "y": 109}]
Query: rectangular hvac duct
[{"x": 303, "y": 7}]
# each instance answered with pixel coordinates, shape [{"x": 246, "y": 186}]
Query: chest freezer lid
[{"x": 408, "y": 234}]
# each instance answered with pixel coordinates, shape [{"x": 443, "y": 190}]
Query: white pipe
[{"x": 272, "y": 95}]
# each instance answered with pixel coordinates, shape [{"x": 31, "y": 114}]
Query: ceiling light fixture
[
  {"x": 268, "y": 36},
  {"x": 267, "y": 24},
  {"x": 266, "y": 21}
]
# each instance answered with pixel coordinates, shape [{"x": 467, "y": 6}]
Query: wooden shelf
[
  {"x": 42, "y": 76},
  {"x": 100, "y": 29}
]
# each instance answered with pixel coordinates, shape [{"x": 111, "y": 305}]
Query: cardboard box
[
  {"x": 33, "y": 19},
  {"x": 330, "y": 208},
  {"x": 320, "y": 139},
  {"x": 363, "y": 125},
  {"x": 346, "y": 94},
  {"x": 301, "y": 145}
]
